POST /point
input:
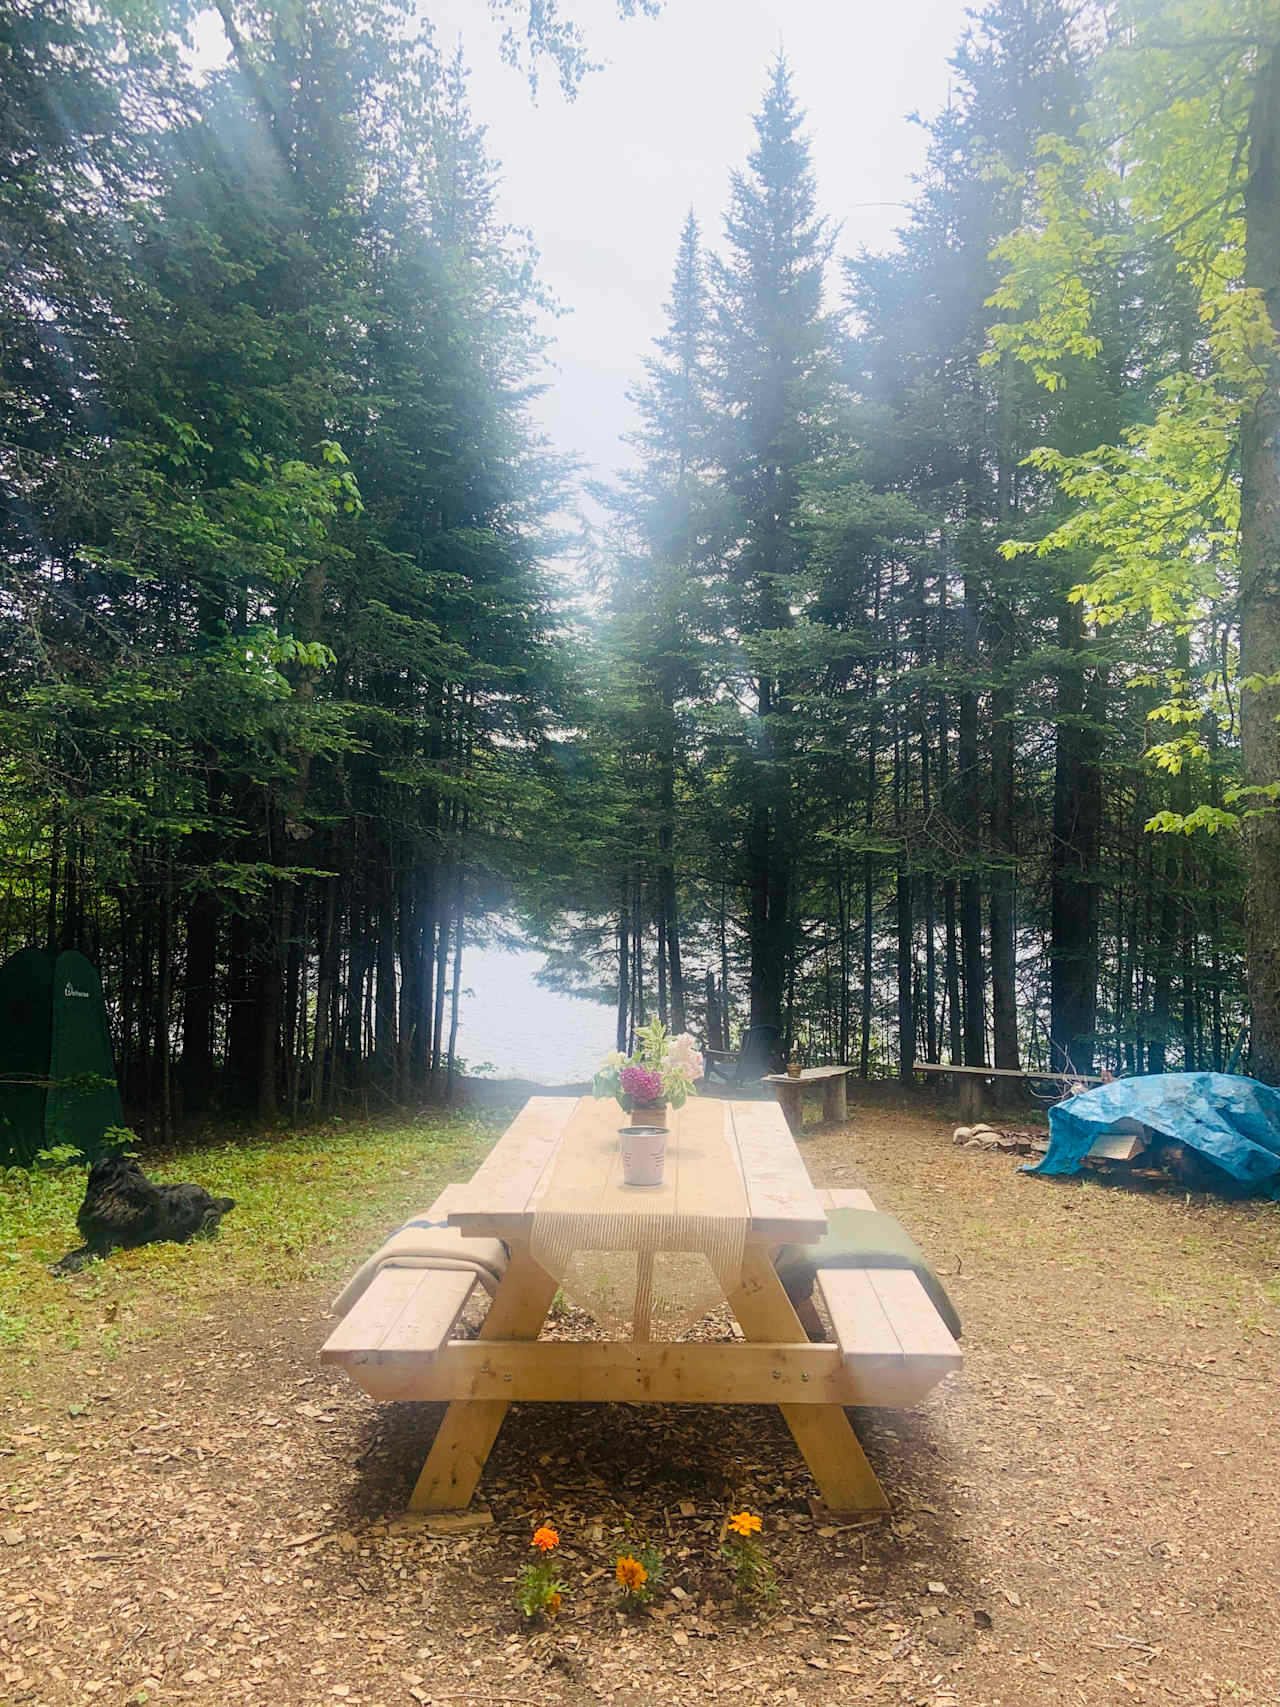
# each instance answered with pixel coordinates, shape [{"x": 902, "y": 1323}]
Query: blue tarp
[{"x": 1234, "y": 1122}]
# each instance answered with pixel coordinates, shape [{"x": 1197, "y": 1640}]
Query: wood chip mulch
[{"x": 1088, "y": 1514}]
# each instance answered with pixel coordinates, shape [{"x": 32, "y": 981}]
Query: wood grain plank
[
  {"x": 427, "y": 1320},
  {"x": 498, "y": 1198},
  {"x": 367, "y": 1322},
  {"x": 781, "y": 1200},
  {"x": 1005, "y": 1073},
  {"x": 807, "y": 1377},
  {"x": 806, "y": 1075},
  {"x": 920, "y": 1329},
  {"x": 844, "y": 1197},
  {"x": 863, "y": 1326}
]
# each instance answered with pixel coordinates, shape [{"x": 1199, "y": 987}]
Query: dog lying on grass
[{"x": 122, "y": 1207}]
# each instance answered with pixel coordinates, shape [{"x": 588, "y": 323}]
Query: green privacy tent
[{"x": 57, "y": 1073}]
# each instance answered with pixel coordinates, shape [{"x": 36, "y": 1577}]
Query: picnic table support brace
[
  {"x": 823, "y": 1433},
  {"x": 470, "y": 1427}
]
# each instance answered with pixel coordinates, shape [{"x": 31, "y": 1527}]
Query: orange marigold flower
[
  {"x": 554, "y": 1603},
  {"x": 545, "y": 1539},
  {"x": 745, "y": 1523},
  {"x": 631, "y": 1573}
]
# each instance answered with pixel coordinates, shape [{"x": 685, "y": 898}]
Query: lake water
[{"x": 510, "y": 1027}]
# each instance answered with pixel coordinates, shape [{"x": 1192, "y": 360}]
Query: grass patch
[{"x": 309, "y": 1204}]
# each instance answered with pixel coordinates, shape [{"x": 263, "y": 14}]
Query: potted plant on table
[{"x": 659, "y": 1072}]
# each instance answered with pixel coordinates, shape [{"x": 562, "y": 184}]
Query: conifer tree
[{"x": 774, "y": 345}]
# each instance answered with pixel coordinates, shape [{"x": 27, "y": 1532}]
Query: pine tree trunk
[
  {"x": 199, "y": 993},
  {"x": 1004, "y": 1012},
  {"x": 660, "y": 933},
  {"x": 326, "y": 982},
  {"x": 969, "y": 793},
  {"x": 868, "y": 967},
  {"x": 1165, "y": 946},
  {"x": 842, "y": 909},
  {"x": 459, "y": 932},
  {"x": 906, "y": 1016},
  {"x": 1260, "y": 579},
  {"x": 384, "y": 1012},
  {"x": 242, "y": 1017},
  {"x": 667, "y": 900},
  {"x": 424, "y": 950},
  {"x": 624, "y": 972},
  {"x": 270, "y": 998},
  {"x": 51, "y": 903},
  {"x": 902, "y": 897},
  {"x": 1077, "y": 808},
  {"x": 715, "y": 1031},
  {"x": 165, "y": 1004}
]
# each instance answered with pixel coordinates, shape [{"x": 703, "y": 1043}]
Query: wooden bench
[
  {"x": 884, "y": 1321},
  {"x": 404, "y": 1315},
  {"x": 827, "y": 1082},
  {"x": 971, "y": 1082}
]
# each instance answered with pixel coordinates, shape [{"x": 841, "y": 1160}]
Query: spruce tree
[{"x": 774, "y": 345}]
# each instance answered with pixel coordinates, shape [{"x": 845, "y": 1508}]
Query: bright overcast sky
[{"x": 604, "y": 181}]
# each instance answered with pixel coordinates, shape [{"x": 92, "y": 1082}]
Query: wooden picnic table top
[
  {"x": 805, "y": 1076},
  {"x": 782, "y": 1204}
]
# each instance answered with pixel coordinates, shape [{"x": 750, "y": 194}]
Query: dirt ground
[{"x": 1089, "y": 1513}]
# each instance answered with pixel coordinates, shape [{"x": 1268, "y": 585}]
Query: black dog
[{"x": 122, "y": 1207}]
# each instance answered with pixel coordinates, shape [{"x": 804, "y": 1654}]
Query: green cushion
[{"x": 861, "y": 1238}]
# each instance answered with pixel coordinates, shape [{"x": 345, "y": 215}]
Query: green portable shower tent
[{"x": 57, "y": 1073}]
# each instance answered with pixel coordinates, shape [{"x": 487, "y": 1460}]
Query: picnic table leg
[
  {"x": 823, "y": 1433},
  {"x": 470, "y": 1427},
  {"x": 835, "y": 1102},
  {"x": 642, "y": 1310}
]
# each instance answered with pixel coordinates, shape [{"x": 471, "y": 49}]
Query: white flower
[{"x": 683, "y": 1053}]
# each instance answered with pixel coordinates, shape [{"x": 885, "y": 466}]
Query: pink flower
[{"x": 641, "y": 1085}]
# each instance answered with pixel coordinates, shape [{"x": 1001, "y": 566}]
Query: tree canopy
[{"x": 941, "y": 582}]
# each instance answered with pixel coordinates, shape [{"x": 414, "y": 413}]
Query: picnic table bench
[
  {"x": 890, "y": 1345},
  {"x": 829, "y": 1083}
]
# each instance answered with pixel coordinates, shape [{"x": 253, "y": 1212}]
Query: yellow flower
[
  {"x": 745, "y": 1523},
  {"x": 631, "y": 1574},
  {"x": 554, "y": 1603},
  {"x": 545, "y": 1539}
]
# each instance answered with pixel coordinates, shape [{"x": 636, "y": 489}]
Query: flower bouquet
[{"x": 660, "y": 1070}]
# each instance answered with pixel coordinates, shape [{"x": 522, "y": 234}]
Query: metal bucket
[{"x": 644, "y": 1153}]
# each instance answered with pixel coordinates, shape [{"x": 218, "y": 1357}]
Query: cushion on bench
[{"x": 861, "y": 1238}]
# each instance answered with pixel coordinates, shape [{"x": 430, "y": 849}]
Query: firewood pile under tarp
[
  {"x": 1214, "y": 1132},
  {"x": 1136, "y": 1150}
]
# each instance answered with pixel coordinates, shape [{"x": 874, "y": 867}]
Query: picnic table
[
  {"x": 891, "y": 1346},
  {"x": 830, "y": 1083}
]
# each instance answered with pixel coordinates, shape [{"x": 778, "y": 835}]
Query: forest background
[{"x": 918, "y": 700}]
